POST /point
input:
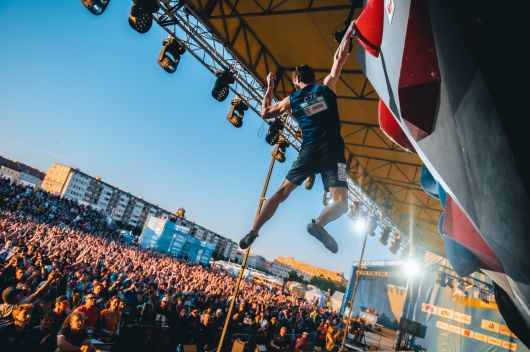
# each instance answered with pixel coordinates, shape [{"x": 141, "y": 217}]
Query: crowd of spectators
[{"x": 67, "y": 281}]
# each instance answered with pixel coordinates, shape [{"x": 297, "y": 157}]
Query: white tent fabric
[
  {"x": 316, "y": 295},
  {"x": 336, "y": 300}
]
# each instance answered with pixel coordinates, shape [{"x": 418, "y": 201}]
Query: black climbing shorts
[{"x": 326, "y": 159}]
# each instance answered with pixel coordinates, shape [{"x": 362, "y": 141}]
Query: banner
[{"x": 381, "y": 289}]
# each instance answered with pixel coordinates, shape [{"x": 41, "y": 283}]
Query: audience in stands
[{"x": 65, "y": 278}]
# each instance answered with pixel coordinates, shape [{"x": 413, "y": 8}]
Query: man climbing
[{"x": 314, "y": 106}]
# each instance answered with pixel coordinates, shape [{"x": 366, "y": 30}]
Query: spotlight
[
  {"x": 169, "y": 57},
  {"x": 279, "y": 151},
  {"x": 442, "y": 279},
  {"x": 221, "y": 86},
  {"x": 141, "y": 16},
  {"x": 355, "y": 210},
  {"x": 97, "y": 7},
  {"x": 310, "y": 181},
  {"x": 385, "y": 236},
  {"x": 237, "y": 111},
  {"x": 273, "y": 134},
  {"x": 411, "y": 267},
  {"x": 450, "y": 282},
  {"x": 395, "y": 244},
  {"x": 371, "y": 226}
]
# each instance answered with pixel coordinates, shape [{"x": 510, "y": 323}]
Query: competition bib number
[{"x": 313, "y": 105}]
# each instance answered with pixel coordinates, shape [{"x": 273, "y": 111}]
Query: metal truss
[
  {"x": 272, "y": 8},
  {"x": 205, "y": 46},
  {"x": 184, "y": 23}
]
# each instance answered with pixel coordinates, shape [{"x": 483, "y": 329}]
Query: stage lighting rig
[
  {"x": 310, "y": 181},
  {"x": 273, "y": 134},
  {"x": 169, "y": 57},
  {"x": 237, "y": 111},
  {"x": 141, "y": 16},
  {"x": 385, "y": 236},
  {"x": 96, "y": 7},
  {"x": 221, "y": 87},
  {"x": 279, "y": 152}
]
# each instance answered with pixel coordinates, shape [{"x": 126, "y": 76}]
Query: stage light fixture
[
  {"x": 310, "y": 181},
  {"x": 221, "y": 87},
  {"x": 273, "y": 134},
  {"x": 450, "y": 282},
  {"x": 96, "y": 7},
  {"x": 442, "y": 279},
  {"x": 355, "y": 210},
  {"x": 279, "y": 152},
  {"x": 141, "y": 16},
  {"x": 395, "y": 244},
  {"x": 385, "y": 236},
  {"x": 169, "y": 57},
  {"x": 371, "y": 226},
  {"x": 237, "y": 111}
]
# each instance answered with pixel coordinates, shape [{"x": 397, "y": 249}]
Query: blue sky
[{"x": 87, "y": 91}]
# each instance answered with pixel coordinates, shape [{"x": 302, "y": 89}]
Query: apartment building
[
  {"x": 280, "y": 269},
  {"x": 254, "y": 261},
  {"x": 20, "y": 172},
  {"x": 283, "y": 265},
  {"x": 72, "y": 183}
]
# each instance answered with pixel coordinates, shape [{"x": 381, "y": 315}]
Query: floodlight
[
  {"x": 141, "y": 15},
  {"x": 395, "y": 244},
  {"x": 371, "y": 226},
  {"x": 169, "y": 57},
  {"x": 385, "y": 236},
  {"x": 355, "y": 210},
  {"x": 96, "y": 7},
  {"x": 221, "y": 87},
  {"x": 442, "y": 279},
  {"x": 237, "y": 111},
  {"x": 279, "y": 151},
  {"x": 310, "y": 181},
  {"x": 273, "y": 134}
]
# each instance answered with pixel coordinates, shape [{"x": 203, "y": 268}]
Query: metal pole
[
  {"x": 244, "y": 262},
  {"x": 354, "y": 291}
]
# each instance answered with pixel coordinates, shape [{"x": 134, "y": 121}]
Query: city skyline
[{"x": 96, "y": 99}]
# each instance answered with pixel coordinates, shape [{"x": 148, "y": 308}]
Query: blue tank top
[{"x": 314, "y": 107}]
